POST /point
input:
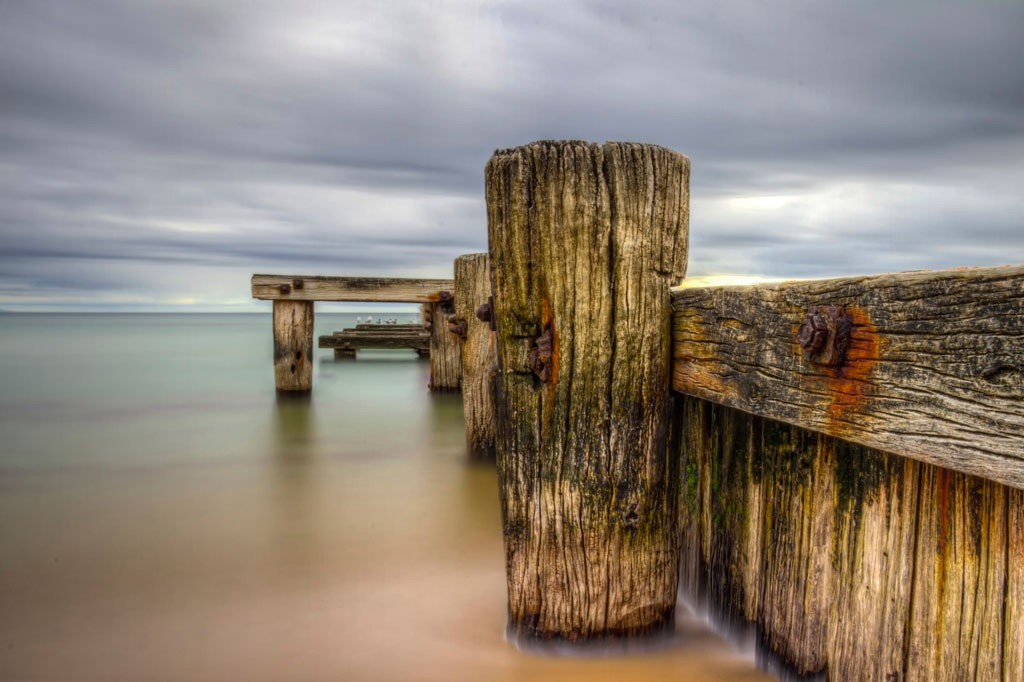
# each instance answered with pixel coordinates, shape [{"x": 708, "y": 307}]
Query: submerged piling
[
  {"x": 293, "y": 346},
  {"x": 473, "y": 294},
  {"x": 585, "y": 241},
  {"x": 445, "y": 356}
]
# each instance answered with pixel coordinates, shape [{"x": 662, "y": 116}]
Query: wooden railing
[{"x": 934, "y": 367}]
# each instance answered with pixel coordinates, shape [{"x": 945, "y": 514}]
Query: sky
[{"x": 154, "y": 155}]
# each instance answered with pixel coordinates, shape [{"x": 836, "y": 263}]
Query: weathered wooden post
[
  {"x": 445, "y": 360},
  {"x": 479, "y": 359},
  {"x": 293, "y": 346},
  {"x": 585, "y": 241}
]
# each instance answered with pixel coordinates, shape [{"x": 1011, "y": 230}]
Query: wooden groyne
[{"x": 839, "y": 463}]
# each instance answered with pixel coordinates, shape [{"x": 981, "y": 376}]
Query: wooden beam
[
  {"x": 934, "y": 368},
  {"x": 367, "y": 289}
]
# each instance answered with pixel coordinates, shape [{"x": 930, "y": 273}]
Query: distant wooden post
[
  {"x": 479, "y": 359},
  {"x": 445, "y": 355},
  {"x": 293, "y": 346},
  {"x": 586, "y": 240}
]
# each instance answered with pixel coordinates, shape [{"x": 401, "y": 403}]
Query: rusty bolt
[
  {"x": 812, "y": 333},
  {"x": 824, "y": 334},
  {"x": 444, "y": 296},
  {"x": 286, "y": 288},
  {"x": 297, "y": 284},
  {"x": 457, "y": 326},
  {"x": 483, "y": 313}
]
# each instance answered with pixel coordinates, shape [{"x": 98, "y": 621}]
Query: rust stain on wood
[
  {"x": 547, "y": 322},
  {"x": 847, "y": 385}
]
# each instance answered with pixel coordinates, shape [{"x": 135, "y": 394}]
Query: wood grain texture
[
  {"x": 293, "y": 346},
  {"x": 479, "y": 351},
  {"x": 935, "y": 367},
  {"x": 585, "y": 241},
  {"x": 368, "y": 289},
  {"x": 860, "y": 563},
  {"x": 445, "y": 351}
]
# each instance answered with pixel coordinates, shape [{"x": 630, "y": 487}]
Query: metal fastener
[
  {"x": 812, "y": 333},
  {"x": 286, "y": 288},
  {"x": 824, "y": 334},
  {"x": 297, "y": 284},
  {"x": 485, "y": 313},
  {"x": 457, "y": 326}
]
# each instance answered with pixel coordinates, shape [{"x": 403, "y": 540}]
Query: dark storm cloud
[{"x": 160, "y": 151}]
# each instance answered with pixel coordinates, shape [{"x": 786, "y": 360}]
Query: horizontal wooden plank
[
  {"x": 365, "y": 289},
  {"x": 375, "y": 326},
  {"x": 421, "y": 331},
  {"x": 934, "y": 368},
  {"x": 382, "y": 341}
]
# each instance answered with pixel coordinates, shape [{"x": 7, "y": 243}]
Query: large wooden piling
[
  {"x": 293, "y": 346},
  {"x": 479, "y": 352},
  {"x": 585, "y": 240},
  {"x": 445, "y": 354}
]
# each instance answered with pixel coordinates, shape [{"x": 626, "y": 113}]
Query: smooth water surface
[{"x": 163, "y": 516}]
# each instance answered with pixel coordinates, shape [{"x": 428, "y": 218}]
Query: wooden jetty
[
  {"x": 839, "y": 463},
  {"x": 295, "y": 295}
]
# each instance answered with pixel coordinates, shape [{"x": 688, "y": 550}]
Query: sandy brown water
[{"x": 164, "y": 517}]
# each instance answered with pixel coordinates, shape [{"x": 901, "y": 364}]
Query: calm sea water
[{"x": 164, "y": 517}]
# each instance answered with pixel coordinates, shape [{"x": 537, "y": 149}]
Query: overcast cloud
[{"x": 156, "y": 154}]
